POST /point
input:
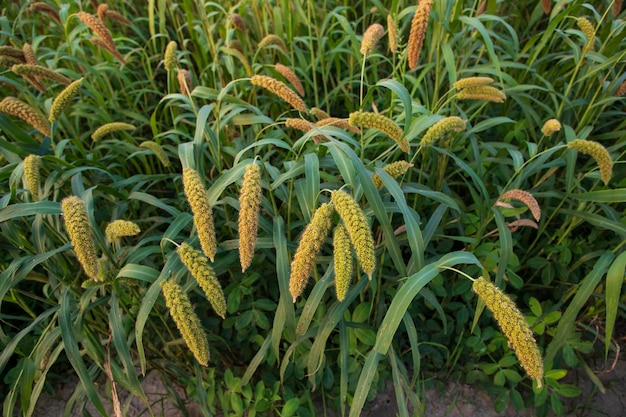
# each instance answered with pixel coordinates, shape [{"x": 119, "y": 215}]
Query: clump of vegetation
[{"x": 266, "y": 202}]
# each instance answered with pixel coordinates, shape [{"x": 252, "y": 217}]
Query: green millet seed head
[
  {"x": 309, "y": 247},
  {"x": 513, "y": 325},
  {"x": 356, "y": 224},
  {"x": 442, "y": 127},
  {"x": 105, "y": 129},
  {"x": 186, "y": 320},
  {"x": 472, "y": 82},
  {"x": 371, "y": 37},
  {"x": 290, "y": 76},
  {"x": 550, "y": 127},
  {"x": 62, "y": 100},
  {"x": 40, "y": 72},
  {"x": 587, "y": 28},
  {"x": 32, "y": 166},
  {"x": 202, "y": 212},
  {"x": 280, "y": 89},
  {"x": 394, "y": 169},
  {"x": 482, "y": 92},
  {"x": 597, "y": 152},
  {"x": 15, "y": 107},
  {"x": 382, "y": 123},
  {"x": 158, "y": 151},
  {"x": 120, "y": 228},
  {"x": 170, "y": 62},
  {"x": 342, "y": 256},
  {"x": 79, "y": 230},
  {"x": 249, "y": 203},
  {"x": 198, "y": 265}
]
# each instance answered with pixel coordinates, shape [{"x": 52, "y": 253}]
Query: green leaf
[
  {"x": 535, "y": 307},
  {"x": 29, "y": 209},
  {"x": 365, "y": 382},
  {"x": 502, "y": 402},
  {"x": 290, "y": 408},
  {"x": 617, "y": 195},
  {"x": 404, "y": 96},
  {"x": 614, "y": 281}
]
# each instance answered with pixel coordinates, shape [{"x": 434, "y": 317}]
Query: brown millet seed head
[
  {"x": 617, "y": 7},
  {"x": 202, "y": 212},
  {"x": 10, "y": 51},
  {"x": 249, "y": 203},
  {"x": 291, "y": 77},
  {"x": 280, "y": 89},
  {"x": 29, "y": 54},
  {"x": 15, "y": 107},
  {"x": 45, "y": 8},
  {"x": 184, "y": 82},
  {"x": 514, "y": 326},
  {"x": 419, "y": 24},
  {"x": 621, "y": 90},
  {"x": 370, "y": 38},
  {"x": 275, "y": 40},
  {"x": 300, "y": 124},
  {"x": 526, "y": 198},
  {"x": 342, "y": 123},
  {"x": 237, "y": 21},
  {"x": 100, "y": 29},
  {"x": 547, "y": 6}
]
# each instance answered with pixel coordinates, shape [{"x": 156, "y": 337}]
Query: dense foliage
[{"x": 444, "y": 179}]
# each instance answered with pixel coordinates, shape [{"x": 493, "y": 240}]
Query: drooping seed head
[
  {"x": 472, "y": 82},
  {"x": 617, "y": 7},
  {"x": 342, "y": 123},
  {"x": 597, "y": 152},
  {"x": 40, "y": 72},
  {"x": 392, "y": 34},
  {"x": 99, "y": 43},
  {"x": 370, "y": 38},
  {"x": 356, "y": 224},
  {"x": 280, "y": 89},
  {"x": 105, "y": 13},
  {"x": 309, "y": 248},
  {"x": 158, "y": 151},
  {"x": 525, "y": 197},
  {"x": 394, "y": 169},
  {"x": 249, "y": 203},
  {"x": 29, "y": 54},
  {"x": 419, "y": 24},
  {"x": 15, "y": 107},
  {"x": 342, "y": 257},
  {"x": 621, "y": 90},
  {"x": 12, "y": 52},
  {"x": 120, "y": 228},
  {"x": 290, "y": 76},
  {"x": 169, "y": 60},
  {"x": 108, "y": 128},
  {"x": 62, "y": 100},
  {"x": 101, "y": 11},
  {"x": 587, "y": 28},
  {"x": 319, "y": 114},
  {"x": 442, "y": 127},
  {"x": 483, "y": 92},
  {"x": 184, "y": 82},
  {"x": 513, "y": 325},
  {"x": 547, "y": 6},
  {"x": 79, "y": 229},
  {"x": 300, "y": 124},
  {"x": 550, "y": 127},
  {"x": 186, "y": 320},
  {"x": 202, "y": 212},
  {"x": 32, "y": 166},
  {"x": 198, "y": 265},
  {"x": 237, "y": 21},
  {"x": 382, "y": 123},
  {"x": 41, "y": 7},
  {"x": 100, "y": 29},
  {"x": 274, "y": 40}
]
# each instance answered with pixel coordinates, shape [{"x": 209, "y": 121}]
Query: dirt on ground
[{"x": 456, "y": 400}]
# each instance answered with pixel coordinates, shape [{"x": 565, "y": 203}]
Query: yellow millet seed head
[
  {"x": 382, "y": 123},
  {"x": 108, "y": 128},
  {"x": 275, "y": 40},
  {"x": 40, "y": 72},
  {"x": 394, "y": 169},
  {"x": 79, "y": 230},
  {"x": 371, "y": 37},
  {"x": 309, "y": 247},
  {"x": 186, "y": 320},
  {"x": 550, "y": 127},
  {"x": 342, "y": 123},
  {"x": 419, "y": 24},
  {"x": 15, "y": 107},
  {"x": 198, "y": 265},
  {"x": 342, "y": 256},
  {"x": 249, "y": 203},
  {"x": 290, "y": 76},
  {"x": 237, "y": 21},
  {"x": 99, "y": 28},
  {"x": 202, "y": 212},
  {"x": 158, "y": 151},
  {"x": 472, "y": 82},
  {"x": 62, "y": 100},
  {"x": 597, "y": 152},
  {"x": 169, "y": 60},
  {"x": 587, "y": 28},
  {"x": 120, "y": 228},
  {"x": 32, "y": 166},
  {"x": 513, "y": 325},
  {"x": 392, "y": 34},
  {"x": 280, "y": 89},
  {"x": 356, "y": 224},
  {"x": 319, "y": 114},
  {"x": 47, "y": 9},
  {"x": 442, "y": 127},
  {"x": 525, "y": 197},
  {"x": 184, "y": 82},
  {"x": 482, "y": 92}
]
